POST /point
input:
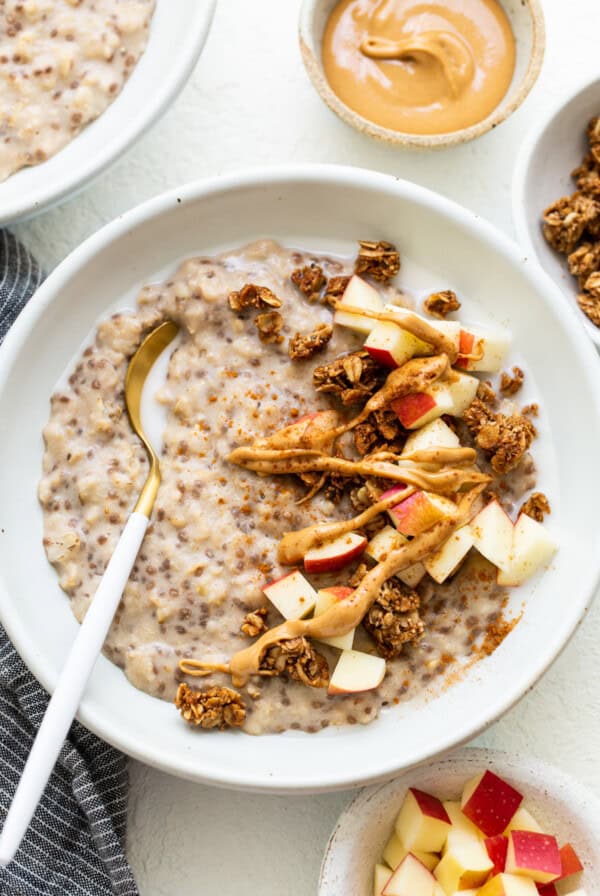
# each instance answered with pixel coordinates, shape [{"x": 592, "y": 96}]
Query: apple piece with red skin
[
  {"x": 449, "y": 328},
  {"x": 446, "y": 560},
  {"x": 358, "y": 294},
  {"x": 570, "y": 862},
  {"x": 463, "y": 389},
  {"x": 436, "y": 434},
  {"x": 465, "y": 862},
  {"x": 356, "y": 672},
  {"x": 482, "y": 348},
  {"x": 418, "y": 408},
  {"x": 390, "y": 345},
  {"x": 546, "y": 889},
  {"x": 292, "y": 595},
  {"x": 327, "y": 598},
  {"x": 523, "y": 820},
  {"x": 411, "y": 878},
  {"x": 380, "y": 878},
  {"x": 459, "y": 820},
  {"x": 335, "y": 554},
  {"x": 532, "y": 549},
  {"x": 420, "y": 511},
  {"x": 395, "y": 852},
  {"x": 389, "y": 539},
  {"x": 533, "y": 855},
  {"x": 492, "y": 531},
  {"x": 508, "y": 885},
  {"x": 497, "y": 848},
  {"x": 423, "y": 823},
  {"x": 490, "y": 803}
]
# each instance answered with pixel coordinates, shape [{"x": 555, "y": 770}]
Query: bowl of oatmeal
[
  {"x": 80, "y": 83},
  {"x": 265, "y": 370},
  {"x": 555, "y": 200}
]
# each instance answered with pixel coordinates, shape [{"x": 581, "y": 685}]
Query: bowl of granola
[
  {"x": 556, "y": 200},
  {"x": 80, "y": 83},
  {"x": 352, "y": 551}
]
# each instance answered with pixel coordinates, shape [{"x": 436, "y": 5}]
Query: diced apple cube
[
  {"x": 436, "y": 434},
  {"x": 395, "y": 852},
  {"x": 492, "y": 531},
  {"x": 411, "y": 878},
  {"x": 532, "y": 548},
  {"x": 355, "y": 672},
  {"x": 438, "y": 890},
  {"x": 358, "y": 294},
  {"x": 547, "y": 890},
  {"x": 465, "y": 862},
  {"x": 386, "y": 540},
  {"x": 418, "y": 408},
  {"x": 490, "y": 803},
  {"x": 446, "y": 560},
  {"x": 523, "y": 820},
  {"x": 326, "y": 599},
  {"x": 450, "y": 328},
  {"x": 380, "y": 878},
  {"x": 334, "y": 555},
  {"x": 486, "y": 346},
  {"x": 533, "y": 855},
  {"x": 570, "y": 862},
  {"x": 412, "y": 575},
  {"x": 422, "y": 822},
  {"x": 508, "y": 885},
  {"x": 459, "y": 820},
  {"x": 292, "y": 595},
  {"x": 392, "y": 346},
  {"x": 497, "y": 848},
  {"x": 420, "y": 511},
  {"x": 463, "y": 389}
]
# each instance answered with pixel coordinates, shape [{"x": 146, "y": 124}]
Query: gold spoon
[{"x": 94, "y": 628}]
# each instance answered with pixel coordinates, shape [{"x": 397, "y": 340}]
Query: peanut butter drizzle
[
  {"x": 418, "y": 327},
  {"x": 419, "y": 66},
  {"x": 345, "y": 614}
]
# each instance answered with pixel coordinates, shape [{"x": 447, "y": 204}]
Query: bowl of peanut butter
[{"x": 422, "y": 73}]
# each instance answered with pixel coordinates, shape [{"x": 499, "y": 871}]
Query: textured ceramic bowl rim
[
  {"x": 552, "y": 780},
  {"x": 314, "y": 67},
  {"x": 32, "y": 201},
  {"x": 521, "y": 173}
]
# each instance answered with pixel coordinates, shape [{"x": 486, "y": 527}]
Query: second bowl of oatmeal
[
  {"x": 80, "y": 83},
  {"x": 232, "y": 385},
  {"x": 557, "y": 162}
]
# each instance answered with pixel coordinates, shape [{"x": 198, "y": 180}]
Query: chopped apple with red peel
[
  {"x": 523, "y": 820},
  {"x": 386, "y": 540},
  {"x": 436, "y": 434},
  {"x": 533, "y": 855},
  {"x": 570, "y": 861},
  {"x": 465, "y": 862},
  {"x": 420, "y": 511},
  {"x": 326, "y": 599},
  {"x": 392, "y": 346},
  {"x": 422, "y": 822},
  {"x": 459, "y": 820},
  {"x": 358, "y": 294},
  {"x": 490, "y": 803},
  {"x": 508, "y": 885},
  {"x": 411, "y": 878},
  {"x": 395, "y": 852},
  {"x": 293, "y": 596},
  {"x": 380, "y": 879},
  {"x": 450, "y": 328},
  {"x": 446, "y": 560},
  {"x": 492, "y": 531},
  {"x": 418, "y": 408},
  {"x": 483, "y": 348},
  {"x": 463, "y": 389},
  {"x": 546, "y": 890},
  {"x": 336, "y": 554},
  {"x": 497, "y": 848},
  {"x": 532, "y": 548},
  {"x": 355, "y": 672}
]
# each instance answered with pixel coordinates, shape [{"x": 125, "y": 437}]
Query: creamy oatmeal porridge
[
  {"x": 232, "y": 483},
  {"x": 62, "y": 62}
]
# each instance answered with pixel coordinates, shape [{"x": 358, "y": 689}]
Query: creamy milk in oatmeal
[
  {"x": 62, "y": 62},
  {"x": 213, "y": 538}
]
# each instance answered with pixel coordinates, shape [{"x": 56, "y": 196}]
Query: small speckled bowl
[
  {"x": 561, "y": 805},
  {"x": 527, "y": 20},
  {"x": 556, "y": 146}
]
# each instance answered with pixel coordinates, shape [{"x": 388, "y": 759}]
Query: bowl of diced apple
[{"x": 477, "y": 823}]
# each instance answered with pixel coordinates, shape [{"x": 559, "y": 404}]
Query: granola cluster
[
  {"x": 504, "y": 438},
  {"x": 572, "y": 226},
  {"x": 536, "y": 506},
  {"x": 441, "y": 304},
  {"x": 380, "y": 260},
  {"x": 381, "y": 431},
  {"x": 254, "y": 623},
  {"x": 353, "y": 378},
  {"x": 253, "y": 296},
  {"x": 304, "y": 347},
  {"x": 215, "y": 707},
  {"x": 393, "y": 619},
  {"x": 510, "y": 383},
  {"x": 297, "y": 658}
]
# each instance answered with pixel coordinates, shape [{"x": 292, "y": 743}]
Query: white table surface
[{"x": 248, "y": 103}]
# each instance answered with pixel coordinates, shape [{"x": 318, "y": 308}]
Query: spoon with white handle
[{"x": 92, "y": 633}]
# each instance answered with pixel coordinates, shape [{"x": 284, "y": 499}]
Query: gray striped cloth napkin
[{"x": 75, "y": 845}]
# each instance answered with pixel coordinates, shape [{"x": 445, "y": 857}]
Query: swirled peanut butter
[{"x": 420, "y": 67}]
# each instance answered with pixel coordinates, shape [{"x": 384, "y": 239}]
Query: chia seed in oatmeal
[
  {"x": 62, "y": 62},
  {"x": 212, "y": 542}
]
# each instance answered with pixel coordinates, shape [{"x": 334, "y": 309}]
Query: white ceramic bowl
[
  {"x": 325, "y": 208},
  {"x": 177, "y": 35},
  {"x": 562, "y": 806},
  {"x": 555, "y": 146},
  {"x": 527, "y": 21}
]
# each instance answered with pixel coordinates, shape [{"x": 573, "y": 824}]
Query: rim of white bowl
[
  {"x": 316, "y": 174},
  {"x": 183, "y": 64},
  {"x": 521, "y": 170},
  {"x": 553, "y": 778}
]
